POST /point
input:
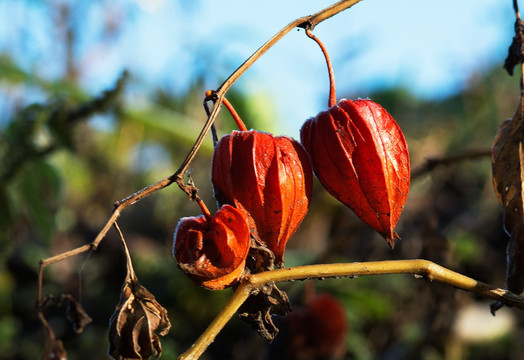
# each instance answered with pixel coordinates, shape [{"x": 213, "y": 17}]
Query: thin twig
[
  {"x": 432, "y": 163},
  {"x": 418, "y": 267}
]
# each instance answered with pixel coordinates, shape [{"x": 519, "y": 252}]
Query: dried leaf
[
  {"x": 259, "y": 258},
  {"x": 53, "y": 348},
  {"x": 135, "y": 322},
  {"x": 515, "y": 253},
  {"x": 508, "y": 175},
  {"x": 76, "y": 314},
  {"x": 259, "y": 307},
  {"x": 516, "y": 49}
]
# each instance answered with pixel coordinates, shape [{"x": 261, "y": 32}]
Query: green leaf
[{"x": 37, "y": 194}]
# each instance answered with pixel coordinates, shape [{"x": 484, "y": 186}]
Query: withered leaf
[
  {"x": 515, "y": 252},
  {"x": 259, "y": 307},
  {"x": 135, "y": 322},
  {"x": 508, "y": 175},
  {"x": 266, "y": 301},
  {"x": 76, "y": 314},
  {"x": 516, "y": 49},
  {"x": 54, "y": 348},
  {"x": 259, "y": 258}
]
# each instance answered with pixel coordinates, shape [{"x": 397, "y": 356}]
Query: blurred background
[{"x": 78, "y": 134}]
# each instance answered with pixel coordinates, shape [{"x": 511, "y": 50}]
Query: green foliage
[{"x": 36, "y": 195}]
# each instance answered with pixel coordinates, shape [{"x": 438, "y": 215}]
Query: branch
[
  {"x": 432, "y": 163},
  {"x": 57, "y": 117},
  {"x": 516, "y": 9},
  {"x": 420, "y": 268}
]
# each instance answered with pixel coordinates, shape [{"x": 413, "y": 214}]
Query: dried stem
[
  {"x": 432, "y": 163},
  {"x": 516, "y": 8},
  {"x": 131, "y": 275},
  {"x": 420, "y": 268}
]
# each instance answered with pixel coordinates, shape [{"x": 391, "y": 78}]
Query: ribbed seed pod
[
  {"x": 360, "y": 156},
  {"x": 270, "y": 177}
]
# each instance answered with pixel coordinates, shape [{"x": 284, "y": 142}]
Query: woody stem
[
  {"x": 419, "y": 267},
  {"x": 332, "y": 93}
]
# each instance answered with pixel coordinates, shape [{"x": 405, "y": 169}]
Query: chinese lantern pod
[
  {"x": 295, "y": 185},
  {"x": 270, "y": 177},
  {"x": 360, "y": 156},
  {"x": 327, "y": 324},
  {"x": 317, "y": 331},
  {"x": 213, "y": 252}
]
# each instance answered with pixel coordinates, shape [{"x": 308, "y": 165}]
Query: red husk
[
  {"x": 270, "y": 177},
  {"x": 319, "y": 330},
  {"x": 360, "y": 156},
  {"x": 213, "y": 253}
]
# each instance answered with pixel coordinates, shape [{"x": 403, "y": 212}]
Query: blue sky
[{"x": 430, "y": 47}]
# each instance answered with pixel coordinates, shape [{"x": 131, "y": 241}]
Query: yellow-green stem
[{"x": 419, "y": 267}]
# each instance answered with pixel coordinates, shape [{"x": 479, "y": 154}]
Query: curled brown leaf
[
  {"x": 259, "y": 307},
  {"x": 134, "y": 325},
  {"x": 516, "y": 49},
  {"x": 508, "y": 175},
  {"x": 76, "y": 314}
]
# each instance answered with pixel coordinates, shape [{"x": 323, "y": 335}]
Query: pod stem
[
  {"x": 210, "y": 94},
  {"x": 332, "y": 93},
  {"x": 204, "y": 209}
]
